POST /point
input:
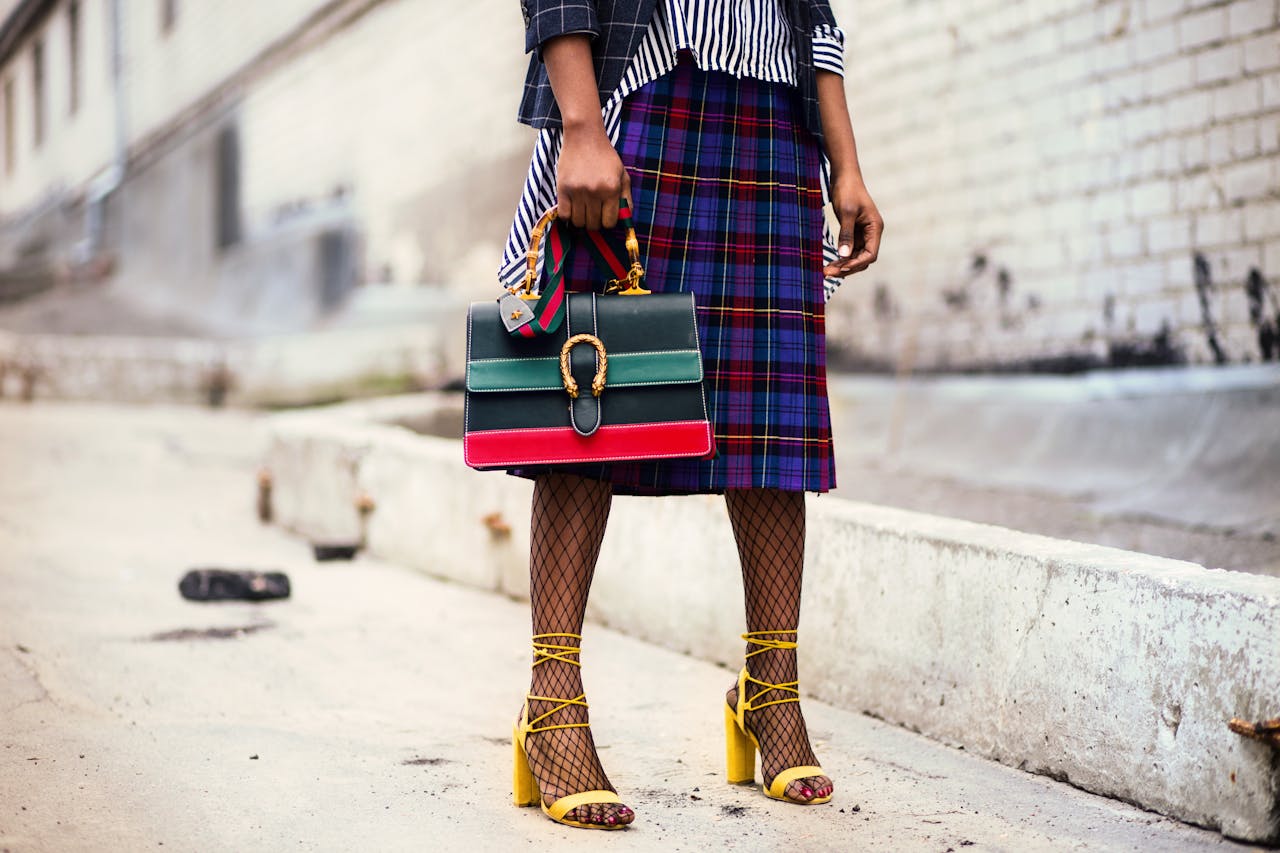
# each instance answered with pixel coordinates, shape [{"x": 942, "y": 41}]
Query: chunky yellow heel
[
  {"x": 741, "y": 745},
  {"x": 524, "y": 786},
  {"x": 739, "y": 751}
]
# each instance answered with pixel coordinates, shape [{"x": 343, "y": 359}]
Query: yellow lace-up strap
[
  {"x": 543, "y": 652},
  {"x": 767, "y": 643}
]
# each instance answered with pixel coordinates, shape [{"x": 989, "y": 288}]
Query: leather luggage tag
[{"x": 514, "y": 311}]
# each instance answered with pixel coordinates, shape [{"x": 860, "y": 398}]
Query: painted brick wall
[
  {"x": 1066, "y": 181},
  {"x": 208, "y": 42},
  {"x": 165, "y": 73},
  {"x": 412, "y": 115},
  {"x": 405, "y": 111},
  {"x": 75, "y": 144}
]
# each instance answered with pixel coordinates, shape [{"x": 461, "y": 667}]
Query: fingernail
[{"x": 845, "y": 250}]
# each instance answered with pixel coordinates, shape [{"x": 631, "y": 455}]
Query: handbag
[{"x": 560, "y": 378}]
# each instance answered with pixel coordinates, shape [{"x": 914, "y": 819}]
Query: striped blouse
[{"x": 746, "y": 38}]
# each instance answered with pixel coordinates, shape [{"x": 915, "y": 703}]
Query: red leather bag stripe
[{"x": 510, "y": 447}]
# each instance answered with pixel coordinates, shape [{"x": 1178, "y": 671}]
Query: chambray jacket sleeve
[
  {"x": 546, "y": 19},
  {"x": 820, "y": 13}
]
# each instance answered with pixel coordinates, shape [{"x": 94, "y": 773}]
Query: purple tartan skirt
[{"x": 728, "y": 205}]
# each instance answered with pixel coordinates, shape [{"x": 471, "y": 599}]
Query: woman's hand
[
  {"x": 860, "y": 227},
  {"x": 590, "y": 179}
]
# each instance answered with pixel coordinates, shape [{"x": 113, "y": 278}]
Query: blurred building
[
  {"x": 248, "y": 163},
  {"x": 1067, "y": 184}
]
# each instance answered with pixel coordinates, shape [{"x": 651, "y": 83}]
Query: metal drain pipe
[{"x": 108, "y": 181}]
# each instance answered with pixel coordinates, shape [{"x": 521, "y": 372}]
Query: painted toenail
[{"x": 806, "y": 792}]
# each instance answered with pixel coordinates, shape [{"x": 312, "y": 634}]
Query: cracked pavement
[{"x": 372, "y": 710}]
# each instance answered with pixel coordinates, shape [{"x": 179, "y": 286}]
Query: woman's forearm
[
  {"x": 837, "y": 128},
  {"x": 573, "y": 81},
  {"x": 861, "y": 225}
]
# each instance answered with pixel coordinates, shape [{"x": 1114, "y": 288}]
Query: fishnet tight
[
  {"x": 569, "y": 517},
  {"x": 769, "y": 527}
]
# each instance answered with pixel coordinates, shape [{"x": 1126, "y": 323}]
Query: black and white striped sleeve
[{"x": 828, "y": 48}]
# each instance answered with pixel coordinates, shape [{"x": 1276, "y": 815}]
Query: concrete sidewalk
[{"x": 372, "y": 711}]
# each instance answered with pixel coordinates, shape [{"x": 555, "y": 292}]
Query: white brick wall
[
  {"x": 1089, "y": 149},
  {"x": 75, "y": 146},
  {"x": 415, "y": 115},
  {"x": 406, "y": 108},
  {"x": 1082, "y": 150},
  {"x": 210, "y": 41},
  {"x": 164, "y": 74}
]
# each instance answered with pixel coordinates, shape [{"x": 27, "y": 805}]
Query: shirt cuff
[
  {"x": 546, "y": 20},
  {"x": 828, "y": 49}
]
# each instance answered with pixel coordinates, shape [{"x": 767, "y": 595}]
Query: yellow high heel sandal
[
  {"x": 741, "y": 745},
  {"x": 524, "y": 786}
]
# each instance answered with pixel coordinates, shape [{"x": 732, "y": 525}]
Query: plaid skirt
[{"x": 728, "y": 205}]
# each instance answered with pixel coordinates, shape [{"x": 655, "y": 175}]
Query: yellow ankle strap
[
  {"x": 754, "y": 703},
  {"x": 766, "y": 643},
  {"x": 580, "y": 699},
  {"x": 543, "y": 652},
  {"x": 762, "y": 639}
]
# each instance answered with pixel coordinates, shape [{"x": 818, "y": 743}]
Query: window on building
[
  {"x": 168, "y": 16},
  {"x": 227, "y": 188},
  {"x": 10, "y": 138},
  {"x": 37, "y": 91},
  {"x": 73, "y": 53}
]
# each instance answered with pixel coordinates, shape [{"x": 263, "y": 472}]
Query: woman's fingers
[
  {"x": 871, "y": 235},
  {"x": 859, "y": 243},
  {"x": 591, "y": 176},
  {"x": 611, "y": 202},
  {"x": 580, "y": 209},
  {"x": 609, "y": 212},
  {"x": 591, "y": 211},
  {"x": 594, "y": 205}
]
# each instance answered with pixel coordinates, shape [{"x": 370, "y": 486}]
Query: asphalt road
[{"x": 372, "y": 710}]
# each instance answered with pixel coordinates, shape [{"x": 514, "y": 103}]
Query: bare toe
[{"x": 799, "y": 791}]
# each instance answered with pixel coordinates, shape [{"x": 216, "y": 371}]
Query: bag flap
[{"x": 628, "y": 369}]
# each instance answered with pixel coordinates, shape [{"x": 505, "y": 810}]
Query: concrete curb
[{"x": 1112, "y": 670}]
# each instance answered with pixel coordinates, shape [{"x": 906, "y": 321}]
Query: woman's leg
[
  {"x": 569, "y": 516},
  {"x": 768, "y": 526}
]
